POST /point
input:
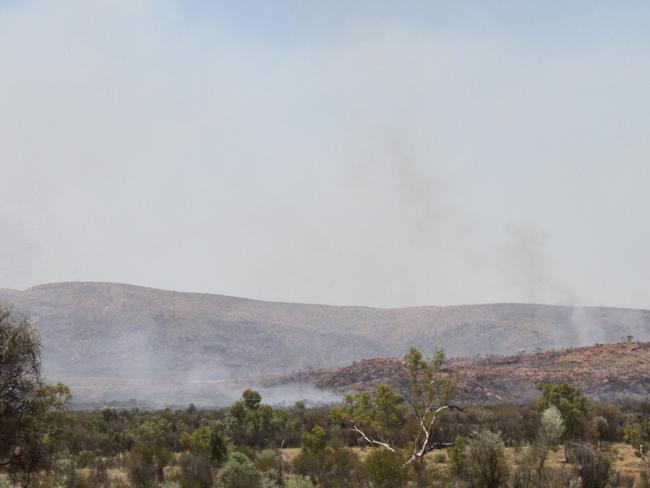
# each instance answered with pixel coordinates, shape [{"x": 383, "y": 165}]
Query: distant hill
[
  {"x": 609, "y": 372},
  {"x": 121, "y": 331}
]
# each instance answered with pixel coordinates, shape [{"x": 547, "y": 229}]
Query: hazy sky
[{"x": 376, "y": 153}]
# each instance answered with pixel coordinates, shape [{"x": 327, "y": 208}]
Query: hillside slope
[
  {"x": 603, "y": 372},
  {"x": 106, "y": 329}
]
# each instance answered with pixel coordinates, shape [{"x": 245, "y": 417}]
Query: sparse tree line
[{"x": 419, "y": 437}]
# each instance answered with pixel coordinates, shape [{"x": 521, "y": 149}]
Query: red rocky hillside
[{"x": 603, "y": 372}]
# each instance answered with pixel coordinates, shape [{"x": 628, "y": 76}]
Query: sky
[{"x": 369, "y": 153}]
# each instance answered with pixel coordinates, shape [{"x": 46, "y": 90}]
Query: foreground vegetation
[{"x": 419, "y": 437}]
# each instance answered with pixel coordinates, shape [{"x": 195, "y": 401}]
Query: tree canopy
[
  {"x": 27, "y": 405},
  {"x": 377, "y": 418},
  {"x": 572, "y": 404}
]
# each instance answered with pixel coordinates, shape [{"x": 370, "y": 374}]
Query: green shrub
[
  {"x": 67, "y": 475},
  {"x": 170, "y": 484},
  {"x": 314, "y": 440},
  {"x": 384, "y": 469},
  {"x": 239, "y": 472},
  {"x": 486, "y": 464},
  {"x": 145, "y": 465},
  {"x": 245, "y": 450},
  {"x": 457, "y": 457},
  {"x": 420, "y": 476},
  {"x": 86, "y": 459},
  {"x": 298, "y": 482},
  {"x": 196, "y": 471},
  {"x": 154, "y": 431},
  {"x": 217, "y": 448},
  {"x": 267, "y": 460},
  {"x": 593, "y": 467},
  {"x": 329, "y": 467}
]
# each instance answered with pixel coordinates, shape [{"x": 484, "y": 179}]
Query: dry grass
[{"x": 625, "y": 461}]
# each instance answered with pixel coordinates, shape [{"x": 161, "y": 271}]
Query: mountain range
[{"x": 118, "y": 331}]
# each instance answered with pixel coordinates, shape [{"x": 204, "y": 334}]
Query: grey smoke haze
[
  {"x": 161, "y": 393},
  {"x": 366, "y": 154},
  {"x": 112, "y": 341}
]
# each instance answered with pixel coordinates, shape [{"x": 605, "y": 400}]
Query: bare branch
[{"x": 369, "y": 440}]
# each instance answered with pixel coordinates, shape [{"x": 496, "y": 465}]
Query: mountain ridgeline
[{"x": 116, "y": 330}]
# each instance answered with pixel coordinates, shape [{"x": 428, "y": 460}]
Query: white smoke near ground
[
  {"x": 176, "y": 393},
  {"x": 287, "y": 395},
  {"x": 151, "y": 377},
  {"x": 587, "y": 333}
]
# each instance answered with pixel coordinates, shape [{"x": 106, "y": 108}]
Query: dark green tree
[
  {"x": 31, "y": 412},
  {"x": 252, "y": 399},
  {"x": 248, "y": 422},
  {"x": 314, "y": 440},
  {"x": 572, "y": 404},
  {"x": 217, "y": 447}
]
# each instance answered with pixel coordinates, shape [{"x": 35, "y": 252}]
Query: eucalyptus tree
[
  {"x": 378, "y": 418},
  {"x": 30, "y": 410}
]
